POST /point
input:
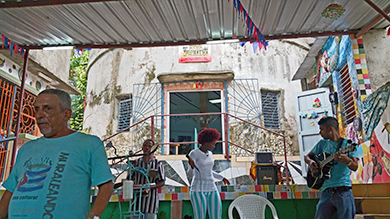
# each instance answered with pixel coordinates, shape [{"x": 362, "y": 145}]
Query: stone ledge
[{"x": 195, "y": 76}]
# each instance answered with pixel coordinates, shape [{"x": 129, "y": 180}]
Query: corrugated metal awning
[{"x": 133, "y": 23}]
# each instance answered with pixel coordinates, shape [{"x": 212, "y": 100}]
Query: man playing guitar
[{"x": 337, "y": 197}]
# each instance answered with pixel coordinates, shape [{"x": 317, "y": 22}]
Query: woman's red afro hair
[{"x": 208, "y": 135}]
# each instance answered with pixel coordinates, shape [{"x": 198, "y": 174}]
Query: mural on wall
[
  {"x": 345, "y": 83},
  {"x": 363, "y": 124},
  {"x": 328, "y": 60},
  {"x": 374, "y": 163},
  {"x": 373, "y": 107}
]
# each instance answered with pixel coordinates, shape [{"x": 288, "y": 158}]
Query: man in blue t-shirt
[
  {"x": 337, "y": 197},
  {"x": 53, "y": 175}
]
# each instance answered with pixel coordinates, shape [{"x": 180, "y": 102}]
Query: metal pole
[
  {"x": 371, "y": 24},
  {"x": 285, "y": 161},
  {"x": 152, "y": 128},
  {"x": 20, "y": 108},
  {"x": 227, "y": 156},
  {"x": 378, "y": 9}
]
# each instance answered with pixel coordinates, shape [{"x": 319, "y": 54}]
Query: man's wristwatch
[{"x": 93, "y": 216}]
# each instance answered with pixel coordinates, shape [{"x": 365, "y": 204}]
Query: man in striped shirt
[{"x": 156, "y": 176}]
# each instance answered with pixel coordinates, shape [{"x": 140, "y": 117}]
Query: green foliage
[{"x": 78, "y": 76}]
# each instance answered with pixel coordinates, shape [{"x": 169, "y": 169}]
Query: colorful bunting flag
[
  {"x": 255, "y": 46},
  {"x": 252, "y": 30},
  {"x": 11, "y": 46},
  {"x": 3, "y": 41},
  {"x": 11, "y": 49},
  {"x": 6, "y": 43}
]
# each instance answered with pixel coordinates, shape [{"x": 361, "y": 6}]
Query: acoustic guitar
[{"x": 325, "y": 163}]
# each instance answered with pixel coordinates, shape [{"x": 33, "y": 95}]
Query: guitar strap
[{"x": 339, "y": 145}]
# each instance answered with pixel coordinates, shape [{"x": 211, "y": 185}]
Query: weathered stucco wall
[
  {"x": 55, "y": 61},
  {"x": 377, "y": 48},
  {"x": 112, "y": 73}
]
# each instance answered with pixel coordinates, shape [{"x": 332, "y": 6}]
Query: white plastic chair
[{"x": 251, "y": 207}]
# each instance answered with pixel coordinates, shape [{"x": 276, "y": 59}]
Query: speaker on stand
[{"x": 266, "y": 171}]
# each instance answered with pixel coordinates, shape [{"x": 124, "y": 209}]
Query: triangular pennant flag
[
  {"x": 250, "y": 29},
  {"x": 16, "y": 48},
  {"x": 255, "y": 33},
  {"x": 265, "y": 45},
  {"x": 6, "y": 43},
  {"x": 388, "y": 32},
  {"x": 3, "y": 40},
  {"x": 244, "y": 13},
  {"x": 242, "y": 44},
  {"x": 11, "y": 49},
  {"x": 255, "y": 46},
  {"x": 260, "y": 46},
  {"x": 235, "y": 4}
]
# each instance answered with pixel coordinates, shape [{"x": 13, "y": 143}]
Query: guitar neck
[
  {"x": 340, "y": 151},
  {"x": 326, "y": 161}
]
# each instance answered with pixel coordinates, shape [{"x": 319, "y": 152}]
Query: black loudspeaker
[
  {"x": 263, "y": 157},
  {"x": 267, "y": 175}
]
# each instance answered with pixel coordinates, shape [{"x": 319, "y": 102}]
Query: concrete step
[
  {"x": 372, "y": 205},
  {"x": 372, "y": 216},
  {"x": 371, "y": 190}
]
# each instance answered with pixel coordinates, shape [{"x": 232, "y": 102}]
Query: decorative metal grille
[
  {"x": 244, "y": 100},
  {"x": 9, "y": 102},
  {"x": 347, "y": 95},
  {"x": 270, "y": 108},
  {"x": 147, "y": 101},
  {"x": 27, "y": 122},
  {"x": 6, "y": 99},
  {"x": 124, "y": 113},
  {"x": 244, "y": 103}
]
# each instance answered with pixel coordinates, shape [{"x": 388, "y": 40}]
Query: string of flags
[
  {"x": 252, "y": 30},
  {"x": 11, "y": 46}
]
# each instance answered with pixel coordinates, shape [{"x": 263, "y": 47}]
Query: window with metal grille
[
  {"x": 124, "y": 113},
  {"x": 347, "y": 95},
  {"x": 270, "y": 108}
]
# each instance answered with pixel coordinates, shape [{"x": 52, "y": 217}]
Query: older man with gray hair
[{"x": 53, "y": 175}]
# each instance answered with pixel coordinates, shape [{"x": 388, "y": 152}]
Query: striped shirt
[{"x": 149, "y": 203}]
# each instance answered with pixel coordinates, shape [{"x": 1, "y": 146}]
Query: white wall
[
  {"x": 55, "y": 61},
  {"x": 113, "y": 72}
]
